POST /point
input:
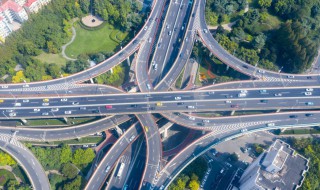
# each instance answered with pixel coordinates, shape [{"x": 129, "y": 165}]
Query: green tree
[
  {"x": 69, "y": 170},
  {"x": 81, "y": 156},
  {"x": 6, "y": 159},
  {"x": 74, "y": 184},
  {"x": 194, "y": 185},
  {"x": 248, "y": 55},
  {"x": 264, "y": 3},
  {"x": 259, "y": 41},
  {"x": 66, "y": 154}
]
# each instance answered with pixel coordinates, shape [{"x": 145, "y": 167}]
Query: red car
[
  {"x": 108, "y": 106},
  {"x": 235, "y": 106}
]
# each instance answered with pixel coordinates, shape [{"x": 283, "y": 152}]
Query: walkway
[{"x": 74, "y": 34}]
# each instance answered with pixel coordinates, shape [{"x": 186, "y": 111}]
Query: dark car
[
  {"x": 264, "y": 101},
  {"x": 293, "y": 116},
  {"x": 134, "y": 105},
  {"x": 152, "y": 108},
  {"x": 245, "y": 66},
  {"x": 95, "y": 111},
  {"x": 200, "y": 124},
  {"x": 309, "y": 77},
  {"x": 235, "y": 106},
  {"x": 180, "y": 103},
  {"x": 309, "y": 115},
  {"x": 177, "y": 113}
]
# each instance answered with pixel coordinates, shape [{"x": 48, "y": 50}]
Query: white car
[
  {"x": 192, "y": 118},
  {"x": 75, "y": 103},
  {"x": 206, "y": 121},
  {"x": 308, "y": 93},
  {"x": 309, "y": 89},
  {"x": 25, "y": 101},
  {"x": 228, "y": 102},
  {"x": 45, "y": 113},
  {"x": 45, "y": 103},
  {"x": 177, "y": 98},
  {"x": 25, "y": 86},
  {"x": 54, "y": 109},
  {"x": 36, "y": 109},
  {"x": 146, "y": 27},
  {"x": 4, "y": 86},
  {"x": 278, "y": 94},
  {"x": 270, "y": 124},
  {"x": 64, "y": 99},
  {"x": 261, "y": 71},
  {"x": 67, "y": 112},
  {"x": 12, "y": 114},
  {"x": 131, "y": 138},
  {"x": 290, "y": 76},
  {"x": 107, "y": 169},
  {"x": 205, "y": 31},
  {"x": 243, "y": 130},
  {"x": 9, "y": 111}
]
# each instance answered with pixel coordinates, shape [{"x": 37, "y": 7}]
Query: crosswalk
[{"x": 10, "y": 139}]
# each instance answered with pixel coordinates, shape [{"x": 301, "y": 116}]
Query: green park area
[
  {"x": 106, "y": 38},
  {"x": 5, "y": 176},
  {"x": 51, "y": 58}
]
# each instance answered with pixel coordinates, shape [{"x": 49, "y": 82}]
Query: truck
[{"x": 120, "y": 170}]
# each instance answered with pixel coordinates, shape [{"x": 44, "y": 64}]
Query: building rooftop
[
  {"x": 5, "y": 5},
  {"x": 278, "y": 168},
  {"x": 30, "y": 2}
]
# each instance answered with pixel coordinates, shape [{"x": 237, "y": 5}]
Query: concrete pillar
[
  {"x": 128, "y": 61},
  {"x": 278, "y": 110},
  {"x": 91, "y": 80},
  {"x": 65, "y": 119},
  {"x": 165, "y": 134},
  {"x": 210, "y": 54},
  {"x": 24, "y": 121},
  {"x": 118, "y": 130},
  {"x": 227, "y": 67},
  {"x": 111, "y": 70},
  {"x": 232, "y": 113}
]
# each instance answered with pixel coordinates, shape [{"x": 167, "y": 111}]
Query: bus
[{"x": 120, "y": 170}]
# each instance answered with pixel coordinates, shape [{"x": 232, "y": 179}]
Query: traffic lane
[
  {"x": 112, "y": 99},
  {"x": 107, "y": 163},
  {"x": 29, "y": 163},
  {"x": 54, "y": 134}
]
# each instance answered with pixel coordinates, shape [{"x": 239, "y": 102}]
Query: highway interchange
[{"x": 163, "y": 47}]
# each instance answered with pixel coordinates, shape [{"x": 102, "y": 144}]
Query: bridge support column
[
  {"x": 118, "y": 130},
  {"x": 227, "y": 67},
  {"x": 164, "y": 134},
  {"x": 111, "y": 70},
  {"x": 278, "y": 110},
  {"x": 210, "y": 55},
  {"x": 232, "y": 113},
  {"x": 91, "y": 80},
  {"x": 65, "y": 119},
  {"x": 128, "y": 61},
  {"x": 24, "y": 121}
]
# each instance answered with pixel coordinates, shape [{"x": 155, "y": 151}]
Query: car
[
  {"x": 132, "y": 137},
  {"x": 25, "y": 100},
  {"x": 4, "y": 86},
  {"x": 152, "y": 108},
  {"x": 290, "y": 76},
  {"x": 190, "y": 107},
  {"x": 167, "y": 26},
  {"x": 192, "y": 118},
  {"x": 75, "y": 103},
  {"x": 309, "y": 115},
  {"x": 1, "y": 101},
  {"x": 182, "y": 27},
  {"x": 278, "y": 94},
  {"x": 67, "y": 112},
  {"x": 45, "y": 100},
  {"x": 244, "y": 91},
  {"x": 309, "y": 103},
  {"x": 243, "y": 130},
  {"x": 293, "y": 116},
  {"x": 235, "y": 106},
  {"x": 308, "y": 93},
  {"x": 36, "y": 109},
  {"x": 309, "y": 89},
  {"x": 145, "y": 28},
  {"x": 155, "y": 67},
  {"x": 45, "y": 104},
  {"x": 146, "y": 128},
  {"x": 82, "y": 108},
  {"x": 177, "y": 98},
  {"x": 150, "y": 40},
  {"x": 180, "y": 103},
  {"x": 241, "y": 95},
  {"x": 107, "y": 169},
  {"x": 177, "y": 113},
  {"x": 206, "y": 121},
  {"x": 95, "y": 111},
  {"x": 85, "y": 146},
  {"x": 205, "y": 30},
  {"x": 25, "y": 86},
  {"x": 63, "y": 99},
  {"x": 12, "y": 114},
  {"x": 261, "y": 71},
  {"x": 148, "y": 86},
  {"x": 228, "y": 102},
  {"x": 309, "y": 77},
  {"x": 54, "y": 109},
  {"x": 108, "y": 106},
  {"x": 17, "y": 104},
  {"x": 200, "y": 124},
  {"x": 264, "y": 101},
  {"x": 211, "y": 92},
  {"x": 270, "y": 124},
  {"x": 45, "y": 113},
  {"x": 245, "y": 66},
  {"x": 263, "y": 91},
  {"x": 170, "y": 33},
  {"x": 9, "y": 111},
  {"x": 134, "y": 105},
  {"x": 159, "y": 104}
]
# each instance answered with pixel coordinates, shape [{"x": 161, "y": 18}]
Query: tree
[
  {"x": 265, "y": 3},
  {"x": 248, "y": 55},
  {"x": 81, "y": 156},
  {"x": 66, "y": 154},
  {"x": 19, "y": 77},
  {"x": 6, "y": 159},
  {"x": 225, "y": 42},
  {"x": 234, "y": 157},
  {"x": 54, "y": 70},
  {"x": 69, "y": 170},
  {"x": 259, "y": 41},
  {"x": 194, "y": 185},
  {"x": 74, "y": 184}
]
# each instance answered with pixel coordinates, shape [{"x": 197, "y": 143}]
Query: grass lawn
[
  {"x": 5, "y": 176},
  {"x": 51, "y": 58},
  {"x": 179, "y": 79},
  {"x": 59, "y": 121},
  {"x": 270, "y": 23},
  {"x": 104, "y": 39},
  {"x": 84, "y": 140}
]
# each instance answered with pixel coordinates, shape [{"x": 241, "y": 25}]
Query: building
[
  {"x": 10, "y": 11},
  {"x": 279, "y": 168},
  {"x": 33, "y": 6},
  {"x": 5, "y": 30}
]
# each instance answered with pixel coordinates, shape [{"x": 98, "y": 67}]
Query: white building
[
  {"x": 5, "y": 29},
  {"x": 10, "y": 11},
  {"x": 279, "y": 168},
  {"x": 33, "y": 6}
]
